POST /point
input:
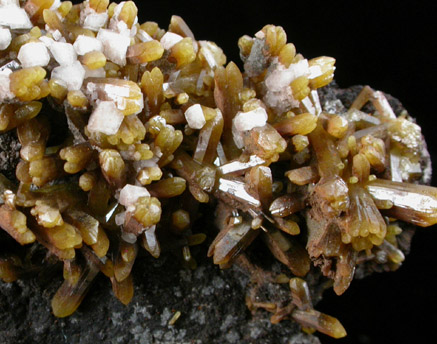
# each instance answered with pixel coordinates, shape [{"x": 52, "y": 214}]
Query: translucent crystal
[
  {"x": 231, "y": 241},
  {"x": 412, "y": 203},
  {"x": 300, "y": 293},
  {"x": 321, "y": 322},
  {"x": 288, "y": 251},
  {"x": 69, "y": 296}
]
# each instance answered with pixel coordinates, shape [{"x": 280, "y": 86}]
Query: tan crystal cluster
[{"x": 158, "y": 123}]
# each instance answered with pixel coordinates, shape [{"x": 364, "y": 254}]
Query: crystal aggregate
[{"x": 158, "y": 123}]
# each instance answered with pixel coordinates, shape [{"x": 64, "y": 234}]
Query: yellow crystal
[{"x": 26, "y": 83}]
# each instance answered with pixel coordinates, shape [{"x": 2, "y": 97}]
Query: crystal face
[{"x": 156, "y": 122}]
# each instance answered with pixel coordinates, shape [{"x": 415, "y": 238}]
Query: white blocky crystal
[
  {"x": 118, "y": 93},
  {"x": 5, "y": 38},
  {"x": 106, "y": 118},
  {"x": 244, "y": 121},
  {"x": 91, "y": 20},
  {"x": 63, "y": 53},
  {"x": 130, "y": 193},
  {"x": 194, "y": 116},
  {"x": 33, "y": 54},
  {"x": 85, "y": 44},
  {"x": 248, "y": 120},
  {"x": 5, "y": 92},
  {"x": 170, "y": 39},
  {"x": 95, "y": 21},
  {"x": 114, "y": 45},
  {"x": 47, "y": 41},
  {"x": 13, "y": 16},
  {"x": 71, "y": 76},
  {"x": 57, "y": 35},
  {"x": 120, "y": 27}
]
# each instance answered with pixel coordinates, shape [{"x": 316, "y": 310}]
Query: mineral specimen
[{"x": 130, "y": 132}]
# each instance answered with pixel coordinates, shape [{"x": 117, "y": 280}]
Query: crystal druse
[{"x": 127, "y": 133}]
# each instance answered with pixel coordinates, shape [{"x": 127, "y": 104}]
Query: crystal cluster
[{"x": 125, "y": 128}]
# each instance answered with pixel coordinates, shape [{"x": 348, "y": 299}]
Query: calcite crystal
[{"x": 132, "y": 134}]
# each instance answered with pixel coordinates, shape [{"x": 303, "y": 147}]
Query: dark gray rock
[
  {"x": 211, "y": 303},
  {"x": 9, "y": 154}
]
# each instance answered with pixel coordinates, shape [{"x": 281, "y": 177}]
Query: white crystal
[
  {"x": 281, "y": 77},
  {"x": 85, "y": 44},
  {"x": 5, "y": 38},
  {"x": 106, "y": 118},
  {"x": 207, "y": 49},
  {"x": 239, "y": 166},
  {"x": 244, "y": 121},
  {"x": 316, "y": 100},
  {"x": 314, "y": 72},
  {"x": 279, "y": 95},
  {"x": 63, "y": 53},
  {"x": 71, "y": 76},
  {"x": 170, "y": 39},
  {"x": 308, "y": 105},
  {"x": 94, "y": 73},
  {"x": 120, "y": 27},
  {"x": 5, "y": 92},
  {"x": 130, "y": 193},
  {"x": 260, "y": 34},
  {"x": 92, "y": 20},
  {"x": 55, "y": 5},
  {"x": 33, "y": 54},
  {"x": 144, "y": 36},
  {"x": 194, "y": 116},
  {"x": 119, "y": 218},
  {"x": 116, "y": 93},
  {"x": 14, "y": 16},
  {"x": 238, "y": 190},
  {"x": 9, "y": 3},
  {"x": 114, "y": 45},
  {"x": 248, "y": 120},
  {"x": 139, "y": 165},
  {"x": 128, "y": 237},
  {"x": 57, "y": 35},
  {"x": 47, "y": 41},
  {"x": 384, "y": 107}
]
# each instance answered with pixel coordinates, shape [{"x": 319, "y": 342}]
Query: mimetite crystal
[{"x": 150, "y": 122}]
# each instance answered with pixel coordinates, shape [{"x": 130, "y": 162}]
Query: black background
[{"x": 390, "y": 46}]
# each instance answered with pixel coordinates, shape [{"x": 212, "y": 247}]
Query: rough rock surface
[
  {"x": 211, "y": 301},
  {"x": 9, "y": 154}
]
